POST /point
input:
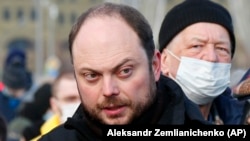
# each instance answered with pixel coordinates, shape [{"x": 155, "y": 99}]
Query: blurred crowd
[{"x": 25, "y": 104}]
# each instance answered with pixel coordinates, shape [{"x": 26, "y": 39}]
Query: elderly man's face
[{"x": 204, "y": 41}]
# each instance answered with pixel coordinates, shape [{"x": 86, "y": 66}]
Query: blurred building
[{"x": 41, "y": 27}]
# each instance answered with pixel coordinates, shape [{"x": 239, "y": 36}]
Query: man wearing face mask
[
  {"x": 197, "y": 44},
  {"x": 64, "y": 101}
]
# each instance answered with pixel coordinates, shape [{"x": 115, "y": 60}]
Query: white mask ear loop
[{"x": 171, "y": 53}]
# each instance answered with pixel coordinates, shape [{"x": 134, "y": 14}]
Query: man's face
[
  {"x": 66, "y": 98},
  {"x": 112, "y": 71},
  {"x": 17, "y": 93},
  {"x": 204, "y": 41}
]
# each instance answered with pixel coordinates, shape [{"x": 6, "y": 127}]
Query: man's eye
[
  {"x": 91, "y": 76},
  {"x": 196, "y": 46},
  {"x": 125, "y": 72},
  {"x": 223, "y": 51}
]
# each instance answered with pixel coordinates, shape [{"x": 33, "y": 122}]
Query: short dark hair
[{"x": 130, "y": 15}]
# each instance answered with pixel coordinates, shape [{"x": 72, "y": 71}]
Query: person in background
[
  {"x": 117, "y": 70},
  {"x": 31, "y": 114},
  {"x": 236, "y": 76},
  {"x": 3, "y": 129},
  {"x": 242, "y": 88},
  {"x": 242, "y": 92},
  {"x": 15, "y": 81},
  {"x": 16, "y": 55},
  {"x": 64, "y": 101},
  {"x": 197, "y": 45}
]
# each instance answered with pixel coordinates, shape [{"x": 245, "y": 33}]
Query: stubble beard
[{"x": 137, "y": 109}]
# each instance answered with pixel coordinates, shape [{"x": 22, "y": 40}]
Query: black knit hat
[
  {"x": 15, "y": 77},
  {"x": 194, "y": 11},
  {"x": 15, "y": 74}
]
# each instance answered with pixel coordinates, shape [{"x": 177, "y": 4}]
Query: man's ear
[
  {"x": 156, "y": 64},
  {"x": 164, "y": 64},
  {"x": 54, "y": 105}
]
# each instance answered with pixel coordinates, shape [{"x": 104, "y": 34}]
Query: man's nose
[
  {"x": 109, "y": 86},
  {"x": 210, "y": 54}
]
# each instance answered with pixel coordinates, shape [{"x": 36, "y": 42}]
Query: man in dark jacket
[{"x": 117, "y": 70}]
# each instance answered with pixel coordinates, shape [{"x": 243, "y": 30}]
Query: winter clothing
[
  {"x": 31, "y": 113},
  {"x": 32, "y": 131},
  {"x": 8, "y": 106},
  {"x": 15, "y": 72},
  {"x": 229, "y": 109},
  {"x": 1, "y": 86},
  {"x": 225, "y": 106},
  {"x": 190, "y": 12},
  {"x": 242, "y": 92},
  {"x": 15, "y": 55},
  {"x": 170, "y": 108},
  {"x": 3, "y": 129},
  {"x": 242, "y": 89},
  {"x": 15, "y": 78},
  {"x": 50, "y": 124}
]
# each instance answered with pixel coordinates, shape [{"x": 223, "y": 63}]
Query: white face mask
[
  {"x": 68, "y": 110},
  {"x": 202, "y": 81}
]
